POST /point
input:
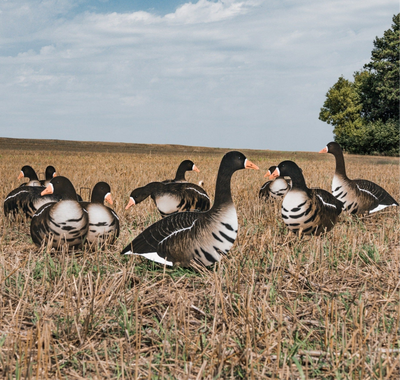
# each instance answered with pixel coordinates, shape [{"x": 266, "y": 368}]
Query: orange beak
[
  {"x": 325, "y": 150},
  {"x": 21, "y": 175},
  {"x": 195, "y": 169},
  {"x": 108, "y": 198},
  {"x": 275, "y": 174},
  {"x": 54, "y": 174},
  {"x": 267, "y": 175},
  {"x": 48, "y": 190},
  {"x": 130, "y": 203},
  {"x": 250, "y": 165}
]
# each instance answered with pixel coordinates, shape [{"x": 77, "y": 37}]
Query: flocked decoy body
[
  {"x": 64, "y": 222},
  {"x": 184, "y": 166},
  {"x": 274, "y": 188},
  {"x": 359, "y": 196},
  {"x": 28, "y": 172},
  {"x": 103, "y": 221},
  {"x": 304, "y": 210},
  {"x": 203, "y": 237},
  {"x": 170, "y": 198}
]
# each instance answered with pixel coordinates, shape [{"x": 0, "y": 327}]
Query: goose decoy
[
  {"x": 199, "y": 236},
  {"x": 103, "y": 221},
  {"x": 359, "y": 196},
  {"x": 28, "y": 172},
  {"x": 64, "y": 222},
  {"x": 170, "y": 198},
  {"x": 306, "y": 211},
  {"x": 49, "y": 175},
  {"x": 184, "y": 167},
  {"x": 274, "y": 188}
]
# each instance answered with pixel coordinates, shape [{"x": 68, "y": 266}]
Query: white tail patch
[
  {"x": 153, "y": 256},
  {"x": 380, "y": 207}
]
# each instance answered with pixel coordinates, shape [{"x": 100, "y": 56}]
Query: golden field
[{"x": 277, "y": 307}]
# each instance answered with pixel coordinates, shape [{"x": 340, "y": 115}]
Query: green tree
[
  {"x": 380, "y": 93},
  {"x": 365, "y": 113},
  {"x": 342, "y": 109}
]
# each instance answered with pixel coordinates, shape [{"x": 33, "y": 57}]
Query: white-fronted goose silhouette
[
  {"x": 28, "y": 172},
  {"x": 170, "y": 198},
  {"x": 103, "y": 221},
  {"x": 306, "y": 211},
  {"x": 359, "y": 196},
  {"x": 64, "y": 222},
  {"x": 274, "y": 188},
  {"x": 185, "y": 166},
  {"x": 50, "y": 173},
  {"x": 200, "y": 236}
]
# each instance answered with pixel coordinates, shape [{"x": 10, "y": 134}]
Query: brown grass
[{"x": 277, "y": 307}]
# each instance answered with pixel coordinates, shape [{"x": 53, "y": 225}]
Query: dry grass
[{"x": 277, "y": 307}]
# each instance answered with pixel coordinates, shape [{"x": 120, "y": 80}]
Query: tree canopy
[{"x": 364, "y": 112}]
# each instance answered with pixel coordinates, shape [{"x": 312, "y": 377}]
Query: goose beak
[
  {"x": 108, "y": 198},
  {"x": 130, "y": 203},
  {"x": 21, "y": 175},
  {"x": 54, "y": 174},
  {"x": 249, "y": 165},
  {"x": 275, "y": 174},
  {"x": 267, "y": 175},
  {"x": 325, "y": 150},
  {"x": 48, "y": 190},
  {"x": 195, "y": 168}
]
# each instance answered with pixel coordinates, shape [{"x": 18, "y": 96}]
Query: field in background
[{"x": 276, "y": 307}]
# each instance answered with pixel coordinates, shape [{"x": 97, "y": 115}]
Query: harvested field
[{"x": 277, "y": 307}]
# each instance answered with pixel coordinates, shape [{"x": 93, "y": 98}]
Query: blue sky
[{"x": 232, "y": 74}]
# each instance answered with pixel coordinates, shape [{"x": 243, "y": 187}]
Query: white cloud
[{"x": 204, "y": 72}]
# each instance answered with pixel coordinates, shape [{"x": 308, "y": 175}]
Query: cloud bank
[{"x": 234, "y": 74}]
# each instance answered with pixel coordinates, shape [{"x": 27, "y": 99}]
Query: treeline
[{"x": 365, "y": 112}]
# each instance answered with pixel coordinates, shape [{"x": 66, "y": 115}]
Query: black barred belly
[
  {"x": 301, "y": 217},
  {"x": 68, "y": 225},
  {"x": 218, "y": 238}
]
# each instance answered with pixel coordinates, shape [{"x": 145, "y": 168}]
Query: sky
[{"x": 249, "y": 74}]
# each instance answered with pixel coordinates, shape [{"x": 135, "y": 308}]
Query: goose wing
[
  {"x": 264, "y": 191},
  {"x": 381, "y": 195},
  {"x": 195, "y": 198},
  {"x": 27, "y": 199},
  {"x": 328, "y": 201},
  {"x": 163, "y": 241},
  {"x": 39, "y": 228}
]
